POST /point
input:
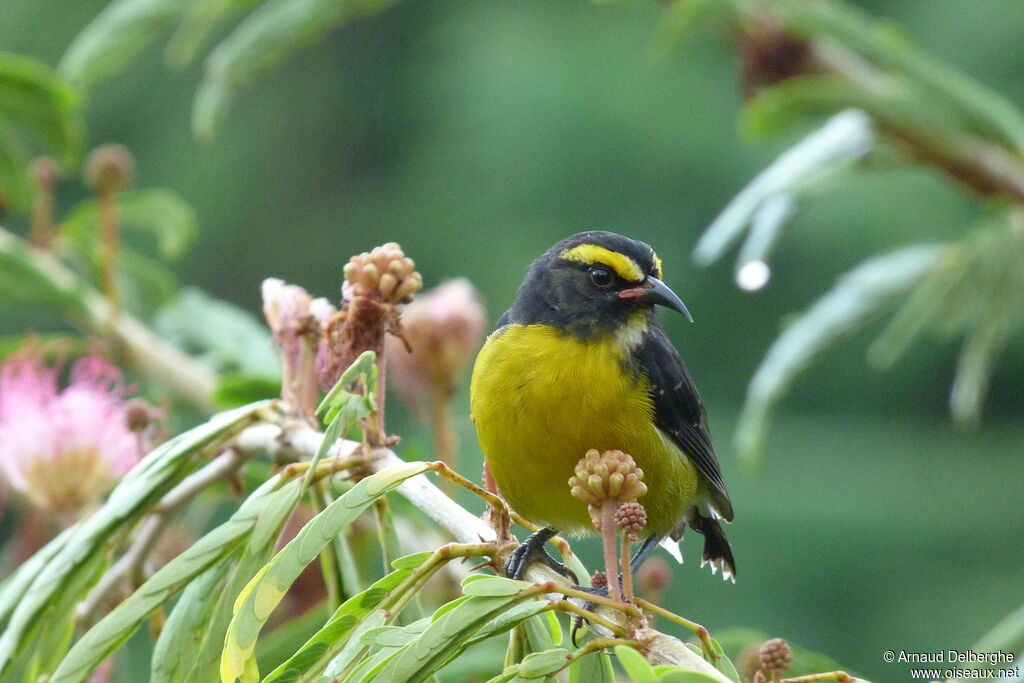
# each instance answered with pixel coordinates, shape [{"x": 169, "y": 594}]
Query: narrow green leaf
[
  {"x": 493, "y": 586},
  {"x": 174, "y": 652},
  {"x": 685, "y": 676},
  {"x": 258, "y": 550},
  {"x": 592, "y": 668},
  {"x": 17, "y": 583},
  {"x": 157, "y": 212},
  {"x": 34, "y": 99},
  {"x": 986, "y": 111},
  {"x": 114, "y": 37},
  {"x": 24, "y": 278},
  {"x": 226, "y": 337},
  {"x": 506, "y": 620},
  {"x": 212, "y": 548},
  {"x": 860, "y": 293},
  {"x": 544, "y": 663},
  {"x": 538, "y": 634},
  {"x": 265, "y": 38},
  {"x": 413, "y": 561},
  {"x": 199, "y": 23},
  {"x": 323, "y": 645},
  {"x": 265, "y": 591},
  {"x": 14, "y": 183},
  {"x": 636, "y": 666},
  {"x": 141, "y": 487},
  {"x": 445, "y": 638}
]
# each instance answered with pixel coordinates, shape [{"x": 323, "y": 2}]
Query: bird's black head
[{"x": 593, "y": 283}]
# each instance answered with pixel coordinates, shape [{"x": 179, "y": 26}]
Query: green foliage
[
  {"x": 261, "y": 516},
  {"x": 257, "y": 601},
  {"x": 869, "y": 288},
  {"x": 107, "y": 44},
  {"x": 219, "y": 333},
  {"x": 272, "y": 31},
  {"x": 26, "y": 278},
  {"x": 61, "y": 577},
  {"x": 158, "y": 214},
  {"x": 37, "y": 109}
]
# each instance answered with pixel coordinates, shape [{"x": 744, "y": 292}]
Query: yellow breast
[{"x": 540, "y": 399}]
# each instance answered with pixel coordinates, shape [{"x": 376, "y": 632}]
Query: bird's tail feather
[{"x": 717, "y": 551}]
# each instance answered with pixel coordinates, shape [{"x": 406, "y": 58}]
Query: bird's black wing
[{"x": 678, "y": 409}]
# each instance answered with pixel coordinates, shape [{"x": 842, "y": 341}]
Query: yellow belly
[{"x": 541, "y": 399}]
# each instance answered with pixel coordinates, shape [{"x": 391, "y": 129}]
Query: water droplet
[{"x": 753, "y": 275}]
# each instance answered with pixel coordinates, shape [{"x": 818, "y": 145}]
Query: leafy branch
[{"x": 888, "y": 102}]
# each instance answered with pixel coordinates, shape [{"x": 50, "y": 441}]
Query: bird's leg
[{"x": 532, "y": 550}]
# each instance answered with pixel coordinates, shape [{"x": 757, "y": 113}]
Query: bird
[{"x": 579, "y": 362}]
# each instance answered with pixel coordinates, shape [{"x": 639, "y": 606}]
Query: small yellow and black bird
[{"x": 580, "y": 361}]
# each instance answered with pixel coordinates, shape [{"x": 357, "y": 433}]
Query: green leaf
[
  {"x": 157, "y": 212},
  {"x": 323, "y": 645},
  {"x": 227, "y": 338},
  {"x": 685, "y": 676},
  {"x": 174, "y": 652},
  {"x": 538, "y": 633},
  {"x": 16, "y": 584},
  {"x": 33, "y": 99},
  {"x": 985, "y": 111},
  {"x": 592, "y": 668},
  {"x": 493, "y": 586},
  {"x": 257, "y": 551},
  {"x": 25, "y": 276},
  {"x": 139, "y": 489},
  {"x": 635, "y": 665},
  {"x": 257, "y": 602},
  {"x": 269, "y": 504},
  {"x": 545, "y": 663},
  {"x": 270, "y": 34},
  {"x": 506, "y": 620},
  {"x": 239, "y": 388},
  {"x": 340, "y": 402},
  {"x": 198, "y": 24},
  {"x": 860, "y": 293},
  {"x": 413, "y": 561},
  {"x": 445, "y": 638},
  {"x": 14, "y": 185},
  {"x": 113, "y": 38}
]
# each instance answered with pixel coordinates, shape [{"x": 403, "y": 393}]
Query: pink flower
[
  {"x": 64, "y": 449},
  {"x": 444, "y": 326}
]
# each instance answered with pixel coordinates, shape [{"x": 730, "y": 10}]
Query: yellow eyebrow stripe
[
  {"x": 657, "y": 264},
  {"x": 589, "y": 254}
]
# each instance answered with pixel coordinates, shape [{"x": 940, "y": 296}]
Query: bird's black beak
[{"x": 654, "y": 291}]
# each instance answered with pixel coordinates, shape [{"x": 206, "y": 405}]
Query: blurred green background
[{"x": 477, "y": 134}]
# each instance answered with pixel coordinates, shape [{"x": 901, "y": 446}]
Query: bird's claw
[
  {"x": 578, "y": 621},
  {"x": 532, "y": 550}
]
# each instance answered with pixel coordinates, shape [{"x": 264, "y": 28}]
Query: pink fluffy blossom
[{"x": 64, "y": 449}]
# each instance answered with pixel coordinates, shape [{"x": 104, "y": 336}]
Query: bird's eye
[{"x": 601, "y": 277}]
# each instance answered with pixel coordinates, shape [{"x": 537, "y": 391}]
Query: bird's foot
[{"x": 532, "y": 550}]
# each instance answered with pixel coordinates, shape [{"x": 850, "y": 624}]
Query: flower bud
[
  {"x": 775, "y": 657},
  {"x": 631, "y": 517},
  {"x": 109, "y": 168},
  {"x": 45, "y": 172},
  {"x": 384, "y": 273}
]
